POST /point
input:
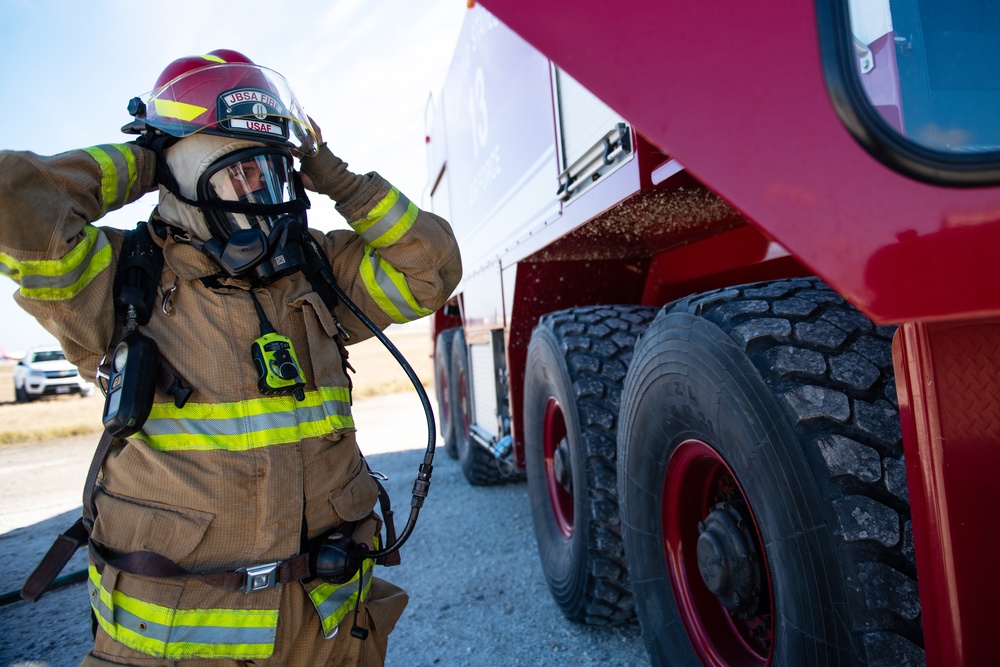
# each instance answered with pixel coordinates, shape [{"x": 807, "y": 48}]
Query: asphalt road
[{"x": 477, "y": 594}]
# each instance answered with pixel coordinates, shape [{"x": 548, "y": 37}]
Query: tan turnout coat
[{"x": 234, "y": 478}]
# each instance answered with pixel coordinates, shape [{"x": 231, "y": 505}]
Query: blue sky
[{"x": 364, "y": 69}]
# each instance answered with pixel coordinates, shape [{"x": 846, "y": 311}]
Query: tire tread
[
  {"x": 597, "y": 342},
  {"x": 831, "y": 368}
]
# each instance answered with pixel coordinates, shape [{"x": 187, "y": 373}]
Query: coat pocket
[
  {"x": 357, "y": 498},
  {"x": 126, "y": 525},
  {"x": 321, "y": 330}
]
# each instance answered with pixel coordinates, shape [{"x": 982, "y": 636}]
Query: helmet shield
[
  {"x": 236, "y": 99},
  {"x": 260, "y": 178}
]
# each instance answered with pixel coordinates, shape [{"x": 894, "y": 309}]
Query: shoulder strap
[
  {"x": 318, "y": 270},
  {"x": 138, "y": 276},
  {"x": 137, "y": 283}
]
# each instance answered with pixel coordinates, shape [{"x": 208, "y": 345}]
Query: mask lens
[{"x": 262, "y": 179}]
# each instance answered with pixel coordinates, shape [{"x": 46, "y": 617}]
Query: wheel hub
[
  {"x": 728, "y": 560},
  {"x": 561, "y": 466}
]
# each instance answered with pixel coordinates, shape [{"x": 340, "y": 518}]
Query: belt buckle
[{"x": 260, "y": 577}]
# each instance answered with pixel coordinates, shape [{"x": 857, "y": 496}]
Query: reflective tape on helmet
[
  {"x": 389, "y": 289},
  {"x": 334, "y": 601},
  {"x": 177, "y": 634},
  {"x": 388, "y": 221},
  {"x": 178, "y": 110},
  {"x": 245, "y": 425},
  {"x": 60, "y": 279},
  {"x": 118, "y": 174}
]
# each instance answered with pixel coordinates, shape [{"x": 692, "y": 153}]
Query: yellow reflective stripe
[
  {"x": 388, "y": 220},
  {"x": 61, "y": 279},
  {"x": 245, "y": 425},
  {"x": 133, "y": 171},
  {"x": 118, "y": 173},
  {"x": 389, "y": 289},
  {"x": 9, "y": 267},
  {"x": 182, "y": 633},
  {"x": 376, "y": 214},
  {"x": 109, "y": 179},
  {"x": 334, "y": 601},
  {"x": 177, "y": 110}
]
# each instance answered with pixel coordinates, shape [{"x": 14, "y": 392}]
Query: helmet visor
[
  {"x": 234, "y": 99},
  {"x": 254, "y": 176}
]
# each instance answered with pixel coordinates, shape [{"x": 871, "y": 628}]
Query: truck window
[{"x": 918, "y": 83}]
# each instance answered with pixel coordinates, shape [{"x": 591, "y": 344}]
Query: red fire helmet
[{"x": 224, "y": 92}]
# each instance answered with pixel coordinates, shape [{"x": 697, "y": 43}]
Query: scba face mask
[{"x": 255, "y": 207}]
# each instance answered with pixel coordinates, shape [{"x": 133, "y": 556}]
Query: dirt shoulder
[{"x": 68, "y": 416}]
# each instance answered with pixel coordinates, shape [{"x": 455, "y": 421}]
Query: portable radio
[
  {"x": 278, "y": 369},
  {"x": 131, "y": 384}
]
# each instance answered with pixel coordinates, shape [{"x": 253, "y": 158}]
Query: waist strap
[
  {"x": 248, "y": 579},
  {"x": 55, "y": 560}
]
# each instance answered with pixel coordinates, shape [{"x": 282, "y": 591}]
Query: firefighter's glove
[
  {"x": 329, "y": 175},
  {"x": 156, "y": 144}
]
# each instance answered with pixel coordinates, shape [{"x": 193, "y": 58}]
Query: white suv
[{"x": 44, "y": 371}]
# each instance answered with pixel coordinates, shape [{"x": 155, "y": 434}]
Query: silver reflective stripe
[
  {"x": 340, "y": 597},
  {"x": 234, "y": 426},
  {"x": 194, "y": 634},
  {"x": 387, "y": 294},
  {"x": 8, "y": 270},
  {"x": 387, "y": 221}
]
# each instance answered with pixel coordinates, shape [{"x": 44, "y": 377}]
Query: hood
[{"x": 188, "y": 159}]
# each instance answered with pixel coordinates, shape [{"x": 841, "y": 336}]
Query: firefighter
[{"x": 245, "y": 476}]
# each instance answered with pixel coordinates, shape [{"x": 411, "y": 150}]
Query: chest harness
[{"x": 133, "y": 369}]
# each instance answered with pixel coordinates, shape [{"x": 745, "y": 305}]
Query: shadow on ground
[{"x": 477, "y": 594}]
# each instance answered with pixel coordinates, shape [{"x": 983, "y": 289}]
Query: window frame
[{"x": 872, "y": 132}]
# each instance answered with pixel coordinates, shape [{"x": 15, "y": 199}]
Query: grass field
[{"x": 62, "y": 416}]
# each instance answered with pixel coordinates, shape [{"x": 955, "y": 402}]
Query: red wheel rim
[
  {"x": 445, "y": 403},
  {"x": 461, "y": 410},
  {"x": 696, "y": 481},
  {"x": 554, "y": 445}
]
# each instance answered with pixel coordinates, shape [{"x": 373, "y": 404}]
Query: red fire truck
[{"x": 730, "y": 306}]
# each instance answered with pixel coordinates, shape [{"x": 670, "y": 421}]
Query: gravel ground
[{"x": 477, "y": 595}]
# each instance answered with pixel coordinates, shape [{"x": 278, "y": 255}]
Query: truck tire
[
  {"x": 20, "y": 395},
  {"x": 442, "y": 381},
  {"x": 478, "y": 465},
  {"x": 764, "y": 503},
  {"x": 576, "y": 364}
]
